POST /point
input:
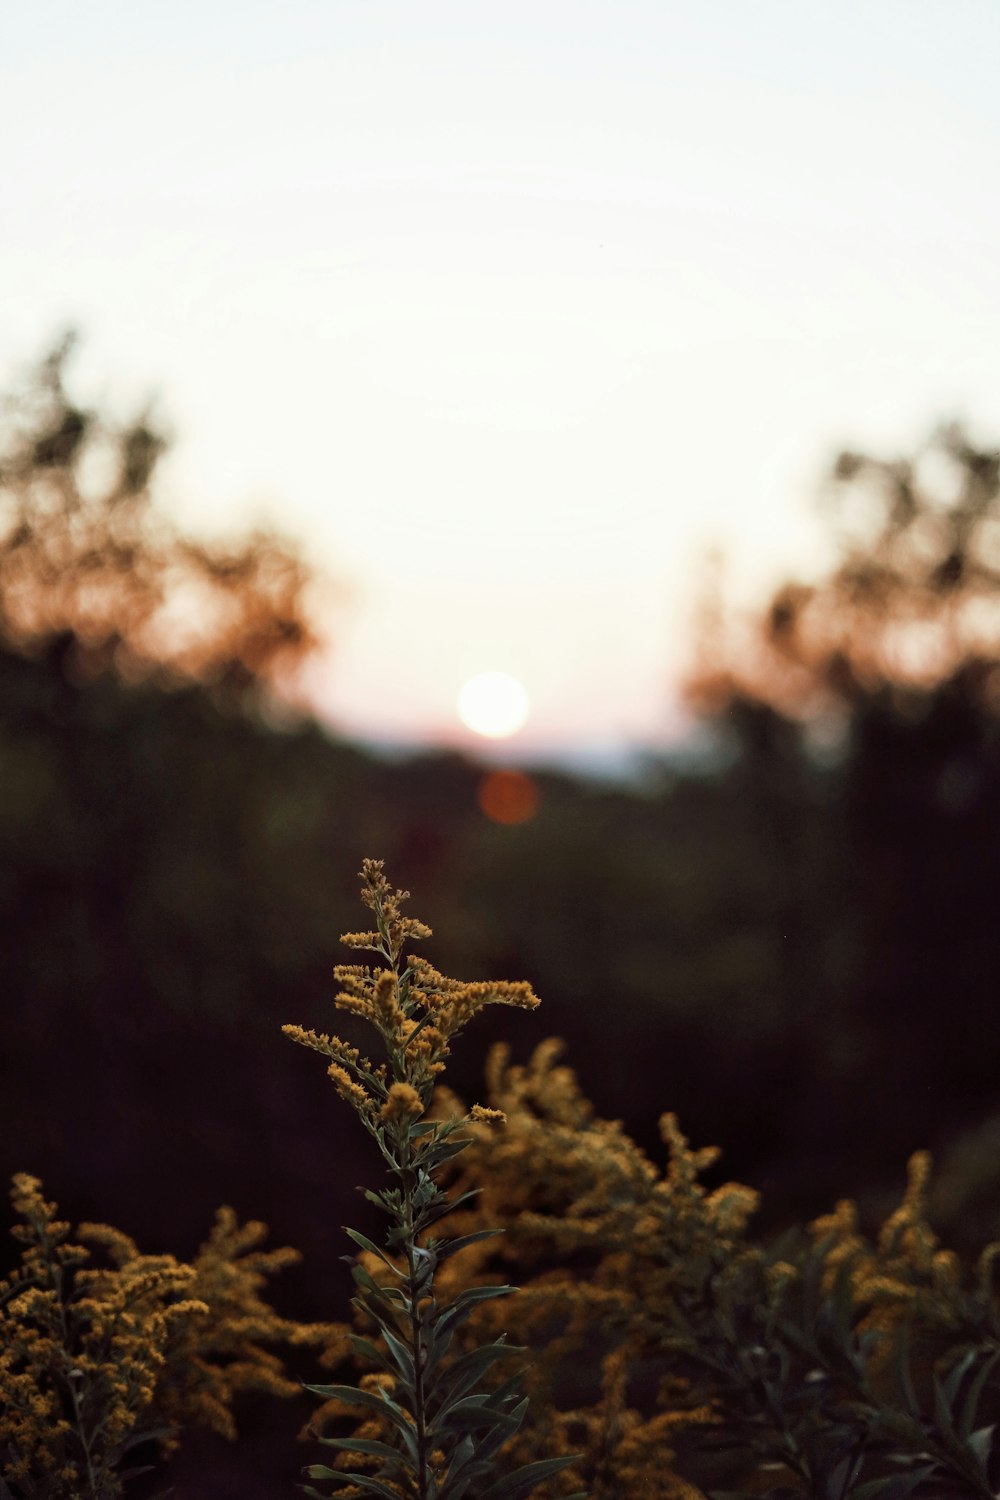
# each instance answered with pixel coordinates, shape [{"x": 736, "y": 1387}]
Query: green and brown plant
[
  {"x": 686, "y": 1357},
  {"x": 433, "y": 1426},
  {"x": 105, "y": 1351}
]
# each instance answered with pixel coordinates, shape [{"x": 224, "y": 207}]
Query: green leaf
[
  {"x": 475, "y": 1411},
  {"x": 391, "y": 1294},
  {"x": 893, "y": 1486},
  {"x": 372, "y": 1248},
  {"x": 387, "y": 1201},
  {"x": 438, "y": 1210},
  {"x": 351, "y": 1395},
  {"x": 900, "y": 1426},
  {"x": 518, "y": 1412},
  {"x": 367, "y": 1350},
  {"x": 380, "y": 1313},
  {"x": 942, "y": 1411},
  {"x": 368, "y": 1445},
  {"x": 364, "y": 1279},
  {"x": 463, "y": 1469},
  {"x": 980, "y": 1444},
  {"x": 148, "y": 1435},
  {"x": 425, "y": 1264},
  {"x": 437, "y": 1153},
  {"x": 458, "y": 1377},
  {"x": 381, "y": 1403},
  {"x": 950, "y": 1383},
  {"x": 902, "y": 1368},
  {"x": 523, "y": 1480},
  {"x": 452, "y": 1247},
  {"x": 401, "y": 1354},
  {"x": 459, "y": 1479},
  {"x": 342, "y": 1479},
  {"x": 975, "y": 1391},
  {"x": 466, "y": 1302}
]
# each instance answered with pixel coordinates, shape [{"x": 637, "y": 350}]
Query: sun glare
[{"x": 493, "y": 704}]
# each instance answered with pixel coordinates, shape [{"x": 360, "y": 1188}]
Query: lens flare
[{"x": 508, "y": 797}]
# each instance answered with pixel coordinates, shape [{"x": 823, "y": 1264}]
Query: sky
[{"x": 511, "y": 313}]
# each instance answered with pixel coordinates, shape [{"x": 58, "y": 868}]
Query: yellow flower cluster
[
  {"x": 81, "y": 1349},
  {"x": 650, "y": 1310},
  {"x": 905, "y": 1273},
  {"x": 402, "y": 1103},
  {"x": 589, "y": 1222},
  {"x": 93, "y": 1354},
  {"x": 612, "y": 1253},
  {"x": 213, "y": 1360},
  {"x": 416, "y": 1010}
]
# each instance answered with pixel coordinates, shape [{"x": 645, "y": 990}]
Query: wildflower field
[{"x": 647, "y": 1344}]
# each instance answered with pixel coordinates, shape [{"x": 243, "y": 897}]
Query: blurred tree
[
  {"x": 84, "y": 553},
  {"x": 893, "y": 658},
  {"x": 910, "y": 608}
]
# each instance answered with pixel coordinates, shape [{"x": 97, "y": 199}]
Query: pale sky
[{"x": 511, "y": 310}]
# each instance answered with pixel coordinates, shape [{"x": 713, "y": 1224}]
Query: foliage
[
  {"x": 820, "y": 1364},
  {"x": 434, "y": 1431},
  {"x": 874, "y": 684},
  {"x": 84, "y": 553},
  {"x": 908, "y": 605},
  {"x": 98, "y": 1359}
]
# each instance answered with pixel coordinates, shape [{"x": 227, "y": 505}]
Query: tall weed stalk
[{"x": 430, "y": 1428}]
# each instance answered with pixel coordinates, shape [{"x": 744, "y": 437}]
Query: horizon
[{"x": 512, "y": 316}]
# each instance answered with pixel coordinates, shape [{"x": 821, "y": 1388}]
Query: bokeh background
[{"x": 645, "y": 353}]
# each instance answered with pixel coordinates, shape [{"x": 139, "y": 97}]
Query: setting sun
[{"x": 493, "y": 704}]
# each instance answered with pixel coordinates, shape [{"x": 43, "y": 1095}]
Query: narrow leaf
[
  {"x": 980, "y": 1444},
  {"x": 381, "y": 1403},
  {"x": 975, "y": 1391},
  {"x": 452, "y": 1247},
  {"x": 367, "y": 1350},
  {"x": 466, "y": 1301},
  {"x": 368, "y": 1445},
  {"x": 400, "y": 1353},
  {"x": 369, "y": 1245},
  {"x": 523, "y": 1480},
  {"x": 458, "y": 1377},
  {"x": 342, "y": 1479},
  {"x": 893, "y": 1486},
  {"x": 475, "y": 1411}
]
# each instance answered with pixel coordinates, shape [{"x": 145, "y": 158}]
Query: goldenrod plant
[
  {"x": 675, "y": 1352},
  {"x": 433, "y": 1428},
  {"x": 688, "y": 1358},
  {"x": 105, "y": 1351}
]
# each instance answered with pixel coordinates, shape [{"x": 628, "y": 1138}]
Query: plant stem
[
  {"x": 404, "y": 1166},
  {"x": 416, "y": 1338},
  {"x": 56, "y": 1272}
]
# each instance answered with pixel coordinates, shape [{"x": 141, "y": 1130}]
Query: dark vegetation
[{"x": 794, "y": 948}]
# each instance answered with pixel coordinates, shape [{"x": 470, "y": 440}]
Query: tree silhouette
[
  {"x": 897, "y": 648},
  {"x": 911, "y": 604},
  {"x": 85, "y": 554}
]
